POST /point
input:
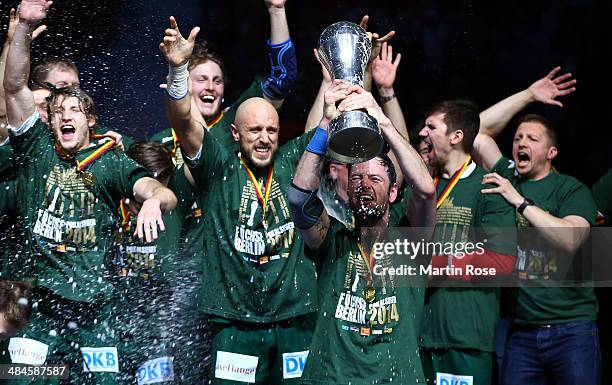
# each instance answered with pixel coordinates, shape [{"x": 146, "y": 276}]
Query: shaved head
[
  {"x": 254, "y": 107},
  {"x": 256, "y": 129}
]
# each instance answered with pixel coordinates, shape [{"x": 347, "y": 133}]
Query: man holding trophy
[{"x": 368, "y": 324}]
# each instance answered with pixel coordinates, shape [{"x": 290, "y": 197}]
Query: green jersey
[
  {"x": 357, "y": 341},
  {"x": 69, "y": 214},
  {"x": 560, "y": 195},
  {"x": 254, "y": 265},
  {"x": 462, "y": 317},
  {"x": 602, "y": 192}
]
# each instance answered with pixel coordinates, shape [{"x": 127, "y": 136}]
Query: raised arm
[
  {"x": 190, "y": 127},
  {"x": 377, "y": 42},
  {"x": 19, "y": 99},
  {"x": 422, "y": 207},
  {"x": 315, "y": 113},
  {"x": 283, "y": 61},
  {"x": 384, "y": 71},
  {"x": 307, "y": 210},
  {"x": 13, "y": 20},
  {"x": 495, "y": 118}
]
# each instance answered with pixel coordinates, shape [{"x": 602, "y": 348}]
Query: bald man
[{"x": 258, "y": 286}]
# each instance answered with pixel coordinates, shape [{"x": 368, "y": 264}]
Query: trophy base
[{"x": 354, "y": 138}]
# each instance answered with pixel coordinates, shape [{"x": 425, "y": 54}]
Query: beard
[{"x": 368, "y": 216}]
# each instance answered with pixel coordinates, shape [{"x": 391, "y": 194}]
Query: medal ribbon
[
  {"x": 125, "y": 213},
  {"x": 175, "y": 142},
  {"x": 449, "y": 187},
  {"x": 263, "y": 199},
  {"x": 368, "y": 260},
  {"x": 94, "y": 155},
  {"x": 215, "y": 120}
]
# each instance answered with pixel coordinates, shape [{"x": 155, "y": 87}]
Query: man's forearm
[
  {"x": 410, "y": 161},
  {"x": 316, "y": 111},
  {"x": 308, "y": 173},
  {"x": 495, "y": 118},
  {"x": 391, "y": 107},
  {"x": 279, "y": 28},
  {"x": 3, "y": 56},
  {"x": 149, "y": 188},
  {"x": 18, "y": 59},
  {"x": 189, "y": 125},
  {"x": 564, "y": 233}
]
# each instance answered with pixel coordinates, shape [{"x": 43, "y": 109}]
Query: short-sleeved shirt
[
  {"x": 602, "y": 193},
  {"x": 462, "y": 317},
  {"x": 356, "y": 341},
  {"x": 254, "y": 266},
  {"x": 68, "y": 218},
  {"x": 559, "y": 195}
]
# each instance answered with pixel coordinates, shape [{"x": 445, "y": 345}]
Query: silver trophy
[{"x": 344, "y": 49}]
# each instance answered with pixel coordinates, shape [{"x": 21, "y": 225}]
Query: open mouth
[
  {"x": 366, "y": 197},
  {"x": 262, "y": 151},
  {"x": 523, "y": 159},
  {"x": 67, "y": 131},
  {"x": 207, "y": 99}
]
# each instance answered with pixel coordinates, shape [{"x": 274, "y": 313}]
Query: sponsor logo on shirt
[
  {"x": 249, "y": 241},
  {"x": 453, "y": 379},
  {"x": 27, "y": 351},
  {"x": 236, "y": 367},
  {"x": 351, "y": 308},
  {"x": 100, "y": 359},
  {"x": 293, "y": 364},
  {"x": 155, "y": 371}
]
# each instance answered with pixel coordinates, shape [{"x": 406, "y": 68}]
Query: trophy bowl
[{"x": 354, "y": 137}]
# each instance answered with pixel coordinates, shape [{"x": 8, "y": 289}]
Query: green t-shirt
[
  {"x": 465, "y": 317},
  {"x": 560, "y": 195},
  {"x": 602, "y": 193},
  {"x": 358, "y": 342},
  {"x": 254, "y": 268},
  {"x": 68, "y": 221},
  {"x": 158, "y": 261}
]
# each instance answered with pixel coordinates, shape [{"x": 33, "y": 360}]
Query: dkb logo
[
  {"x": 100, "y": 360},
  {"x": 293, "y": 364},
  {"x": 157, "y": 370}
]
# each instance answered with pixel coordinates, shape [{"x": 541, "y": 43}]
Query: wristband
[
  {"x": 386, "y": 99},
  {"x": 523, "y": 206},
  {"x": 318, "y": 143},
  {"x": 178, "y": 81}
]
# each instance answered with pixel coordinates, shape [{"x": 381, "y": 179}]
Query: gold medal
[
  {"x": 369, "y": 293},
  {"x": 87, "y": 177}
]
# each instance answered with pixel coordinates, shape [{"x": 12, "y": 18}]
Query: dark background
[{"x": 481, "y": 50}]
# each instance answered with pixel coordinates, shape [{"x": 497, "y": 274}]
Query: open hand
[{"x": 175, "y": 47}]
